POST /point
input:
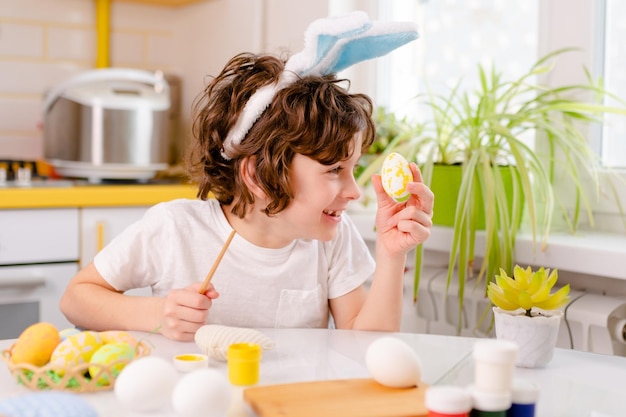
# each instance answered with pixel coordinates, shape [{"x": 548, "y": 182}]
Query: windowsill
[{"x": 594, "y": 253}]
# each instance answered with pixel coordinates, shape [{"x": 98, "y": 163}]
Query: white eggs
[
  {"x": 396, "y": 174},
  {"x": 393, "y": 363},
  {"x": 202, "y": 393},
  {"x": 146, "y": 384}
]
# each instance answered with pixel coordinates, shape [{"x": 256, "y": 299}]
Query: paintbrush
[{"x": 209, "y": 276}]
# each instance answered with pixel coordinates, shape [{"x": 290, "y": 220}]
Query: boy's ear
[{"x": 248, "y": 175}]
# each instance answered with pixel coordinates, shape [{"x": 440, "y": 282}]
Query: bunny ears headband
[{"x": 330, "y": 45}]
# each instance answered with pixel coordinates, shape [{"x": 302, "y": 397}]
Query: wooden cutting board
[{"x": 336, "y": 398}]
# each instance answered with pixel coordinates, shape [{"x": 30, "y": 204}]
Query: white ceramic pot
[{"x": 536, "y": 336}]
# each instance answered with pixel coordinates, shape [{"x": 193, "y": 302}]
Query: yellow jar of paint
[{"x": 244, "y": 360}]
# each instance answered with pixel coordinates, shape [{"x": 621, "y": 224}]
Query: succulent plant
[{"x": 527, "y": 289}]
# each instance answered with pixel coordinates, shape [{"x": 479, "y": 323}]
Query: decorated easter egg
[
  {"x": 122, "y": 353},
  {"x": 36, "y": 344},
  {"x": 65, "y": 333},
  {"x": 118, "y": 336},
  {"x": 396, "y": 174},
  {"x": 76, "y": 349}
]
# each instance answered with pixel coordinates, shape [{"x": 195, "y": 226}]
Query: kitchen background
[{"x": 44, "y": 42}]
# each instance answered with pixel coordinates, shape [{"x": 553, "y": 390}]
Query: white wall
[{"x": 217, "y": 30}]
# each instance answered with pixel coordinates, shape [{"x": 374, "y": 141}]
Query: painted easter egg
[
  {"x": 76, "y": 349},
  {"x": 106, "y": 355},
  {"x": 65, "y": 333},
  {"x": 36, "y": 344},
  {"x": 118, "y": 336},
  {"x": 396, "y": 174}
]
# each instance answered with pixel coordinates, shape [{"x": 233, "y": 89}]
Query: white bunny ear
[
  {"x": 253, "y": 109},
  {"x": 330, "y": 45}
]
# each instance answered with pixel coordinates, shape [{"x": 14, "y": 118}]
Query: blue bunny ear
[
  {"x": 372, "y": 45},
  {"x": 335, "y": 43}
]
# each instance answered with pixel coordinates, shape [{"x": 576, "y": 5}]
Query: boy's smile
[{"x": 322, "y": 194}]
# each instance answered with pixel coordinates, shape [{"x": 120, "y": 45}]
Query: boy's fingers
[{"x": 417, "y": 174}]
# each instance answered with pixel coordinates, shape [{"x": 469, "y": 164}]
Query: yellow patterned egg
[
  {"x": 108, "y": 354},
  {"x": 118, "y": 336},
  {"x": 36, "y": 344},
  {"x": 74, "y": 350},
  {"x": 65, "y": 333},
  {"x": 396, "y": 174}
]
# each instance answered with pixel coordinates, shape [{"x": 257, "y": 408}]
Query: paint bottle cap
[
  {"x": 490, "y": 401},
  {"x": 448, "y": 399},
  {"x": 524, "y": 392},
  {"x": 495, "y": 351}
]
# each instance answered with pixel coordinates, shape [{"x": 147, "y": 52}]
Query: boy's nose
[{"x": 352, "y": 191}]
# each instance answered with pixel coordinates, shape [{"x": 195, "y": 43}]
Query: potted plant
[
  {"x": 483, "y": 135},
  {"x": 528, "y": 313}
]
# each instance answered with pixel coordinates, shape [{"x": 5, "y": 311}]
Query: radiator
[
  {"x": 597, "y": 323},
  {"x": 591, "y": 323}
]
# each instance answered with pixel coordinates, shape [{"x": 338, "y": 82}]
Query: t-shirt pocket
[{"x": 302, "y": 308}]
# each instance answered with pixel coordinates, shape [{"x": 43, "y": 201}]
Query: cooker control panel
[{"x": 18, "y": 172}]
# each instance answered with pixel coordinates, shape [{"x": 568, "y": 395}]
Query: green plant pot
[{"x": 445, "y": 184}]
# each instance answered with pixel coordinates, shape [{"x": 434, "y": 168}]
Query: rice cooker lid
[{"x": 118, "y": 95}]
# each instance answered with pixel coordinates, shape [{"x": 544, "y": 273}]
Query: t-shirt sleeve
[
  {"x": 127, "y": 262},
  {"x": 351, "y": 262}
]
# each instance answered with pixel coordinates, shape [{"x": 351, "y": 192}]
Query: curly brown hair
[{"x": 314, "y": 116}]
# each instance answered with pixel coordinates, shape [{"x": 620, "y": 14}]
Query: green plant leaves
[{"x": 491, "y": 126}]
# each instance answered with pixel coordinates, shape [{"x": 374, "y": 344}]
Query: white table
[{"x": 575, "y": 384}]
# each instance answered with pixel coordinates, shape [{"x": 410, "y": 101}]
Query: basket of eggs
[{"x": 72, "y": 360}]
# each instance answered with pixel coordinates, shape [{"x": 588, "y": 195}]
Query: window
[
  {"x": 612, "y": 24},
  {"x": 456, "y": 35}
]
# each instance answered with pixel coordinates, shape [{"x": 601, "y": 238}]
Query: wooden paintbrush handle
[{"x": 209, "y": 276}]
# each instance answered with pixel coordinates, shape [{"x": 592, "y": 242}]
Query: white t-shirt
[{"x": 176, "y": 243}]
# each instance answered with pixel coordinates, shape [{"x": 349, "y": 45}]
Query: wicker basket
[{"x": 76, "y": 379}]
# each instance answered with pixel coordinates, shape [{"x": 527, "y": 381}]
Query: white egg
[
  {"x": 393, "y": 363},
  {"x": 146, "y": 384},
  {"x": 396, "y": 174},
  {"x": 202, "y": 393}
]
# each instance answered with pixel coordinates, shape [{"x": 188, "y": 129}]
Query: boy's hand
[
  {"x": 185, "y": 311},
  {"x": 403, "y": 226}
]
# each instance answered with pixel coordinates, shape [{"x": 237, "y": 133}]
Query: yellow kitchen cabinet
[{"x": 81, "y": 195}]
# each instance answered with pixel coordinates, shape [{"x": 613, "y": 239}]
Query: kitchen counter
[
  {"x": 63, "y": 193},
  {"x": 574, "y": 384}
]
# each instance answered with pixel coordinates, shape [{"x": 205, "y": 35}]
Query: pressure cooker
[{"x": 109, "y": 123}]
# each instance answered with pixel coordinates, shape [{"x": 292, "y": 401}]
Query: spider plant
[
  {"x": 487, "y": 132},
  {"x": 389, "y": 130}
]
